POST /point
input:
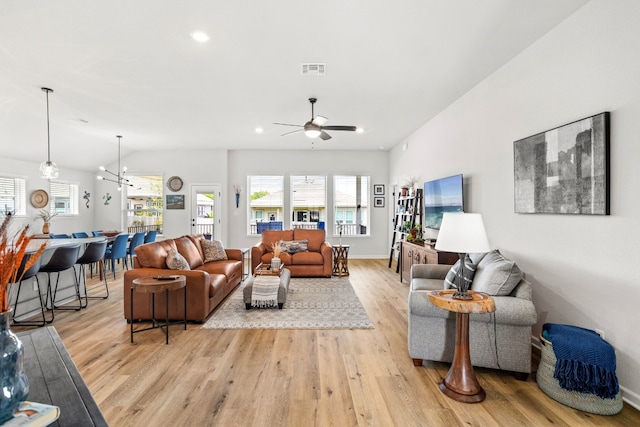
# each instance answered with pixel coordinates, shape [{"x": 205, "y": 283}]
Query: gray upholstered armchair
[{"x": 500, "y": 340}]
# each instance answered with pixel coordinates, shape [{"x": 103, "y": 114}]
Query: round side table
[
  {"x": 152, "y": 285},
  {"x": 340, "y": 258},
  {"x": 461, "y": 383}
]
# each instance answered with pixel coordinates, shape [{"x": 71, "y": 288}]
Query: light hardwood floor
[{"x": 292, "y": 377}]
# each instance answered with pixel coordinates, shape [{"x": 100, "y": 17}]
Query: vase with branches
[
  {"x": 13, "y": 250},
  {"x": 277, "y": 251},
  {"x": 46, "y": 216}
]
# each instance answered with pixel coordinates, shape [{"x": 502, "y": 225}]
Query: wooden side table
[
  {"x": 461, "y": 383},
  {"x": 340, "y": 258},
  {"x": 152, "y": 285}
]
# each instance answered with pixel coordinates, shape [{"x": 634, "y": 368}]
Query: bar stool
[
  {"x": 31, "y": 272},
  {"x": 62, "y": 259},
  {"x": 94, "y": 252}
]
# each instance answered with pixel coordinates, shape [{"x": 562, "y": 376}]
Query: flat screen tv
[{"x": 440, "y": 196}]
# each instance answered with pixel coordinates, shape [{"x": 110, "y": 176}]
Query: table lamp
[{"x": 462, "y": 233}]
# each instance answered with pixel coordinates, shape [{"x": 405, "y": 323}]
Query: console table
[
  {"x": 55, "y": 380},
  {"x": 417, "y": 254}
]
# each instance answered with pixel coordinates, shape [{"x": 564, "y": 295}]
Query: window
[
  {"x": 63, "y": 198},
  {"x": 13, "y": 197},
  {"x": 351, "y": 204},
  {"x": 144, "y": 203},
  {"x": 308, "y": 201},
  {"x": 265, "y": 201}
]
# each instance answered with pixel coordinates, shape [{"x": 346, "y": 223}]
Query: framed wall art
[
  {"x": 175, "y": 201},
  {"x": 378, "y": 202},
  {"x": 378, "y": 189},
  {"x": 564, "y": 170}
]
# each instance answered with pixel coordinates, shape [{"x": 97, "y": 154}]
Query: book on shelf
[{"x": 33, "y": 414}]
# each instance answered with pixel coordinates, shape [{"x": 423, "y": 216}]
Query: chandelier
[
  {"x": 48, "y": 169},
  {"x": 119, "y": 177}
]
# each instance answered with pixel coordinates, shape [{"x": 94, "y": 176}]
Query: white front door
[{"x": 206, "y": 210}]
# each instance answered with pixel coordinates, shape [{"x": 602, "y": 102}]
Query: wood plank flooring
[{"x": 292, "y": 377}]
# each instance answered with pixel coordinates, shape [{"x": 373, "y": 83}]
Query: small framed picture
[
  {"x": 175, "y": 201},
  {"x": 378, "y": 202},
  {"x": 378, "y": 190}
]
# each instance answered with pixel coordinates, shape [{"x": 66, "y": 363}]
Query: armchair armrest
[
  {"x": 429, "y": 271},
  {"x": 257, "y": 251}
]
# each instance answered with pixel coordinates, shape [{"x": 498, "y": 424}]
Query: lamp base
[{"x": 462, "y": 295}]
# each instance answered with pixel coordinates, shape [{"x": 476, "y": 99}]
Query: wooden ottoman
[{"x": 283, "y": 288}]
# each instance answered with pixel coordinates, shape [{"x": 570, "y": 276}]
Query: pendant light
[
  {"x": 48, "y": 169},
  {"x": 120, "y": 178}
]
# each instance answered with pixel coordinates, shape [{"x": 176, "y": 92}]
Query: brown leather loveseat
[
  {"x": 207, "y": 283},
  {"x": 315, "y": 262}
]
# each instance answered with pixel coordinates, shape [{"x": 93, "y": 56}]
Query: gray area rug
[{"x": 312, "y": 303}]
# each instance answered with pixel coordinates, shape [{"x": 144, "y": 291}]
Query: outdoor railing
[
  {"x": 138, "y": 228},
  {"x": 347, "y": 229}
]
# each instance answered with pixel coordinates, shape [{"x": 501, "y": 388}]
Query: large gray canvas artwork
[{"x": 564, "y": 170}]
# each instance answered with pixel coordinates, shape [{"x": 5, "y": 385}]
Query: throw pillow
[
  {"x": 213, "y": 250},
  {"x": 496, "y": 275},
  {"x": 294, "y": 246},
  {"x": 468, "y": 273},
  {"x": 175, "y": 261}
]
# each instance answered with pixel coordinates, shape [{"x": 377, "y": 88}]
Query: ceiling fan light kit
[{"x": 315, "y": 127}]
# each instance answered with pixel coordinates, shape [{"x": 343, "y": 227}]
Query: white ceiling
[{"x": 131, "y": 68}]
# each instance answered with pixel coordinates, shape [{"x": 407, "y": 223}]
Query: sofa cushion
[
  {"x": 154, "y": 255},
  {"x": 496, "y": 275},
  {"x": 314, "y": 238},
  {"x": 294, "y": 246},
  {"x": 212, "y": 250},
  {"x": 189, "y": 251},
  {"x": 470, "y": 270},
  {"x": 271, "y": 237},
  {"x": 307, "y": 258},
  {"x": 175, "y": 261}
]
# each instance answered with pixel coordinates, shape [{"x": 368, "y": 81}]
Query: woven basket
[{"x": 582, "y": 401}]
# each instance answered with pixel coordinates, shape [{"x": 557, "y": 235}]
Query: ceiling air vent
[{"x": 316, "y": 69}]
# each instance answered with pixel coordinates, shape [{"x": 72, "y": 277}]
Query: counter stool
[
  {"x": 94, "y": 252},
  {"x": 31, "y": 272},
  {"x": 63, "y": 258},
  {"x": 153, "y": 285}
]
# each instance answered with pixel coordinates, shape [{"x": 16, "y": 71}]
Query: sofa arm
[
  {"x": 429, "y": 271},
  {"x": 235, "y": 254}
]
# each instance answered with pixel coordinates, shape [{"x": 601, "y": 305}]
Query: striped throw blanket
[{"x": 264, "y": 292}]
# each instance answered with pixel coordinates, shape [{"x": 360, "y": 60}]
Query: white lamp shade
[{"x": 462, "y": 233}]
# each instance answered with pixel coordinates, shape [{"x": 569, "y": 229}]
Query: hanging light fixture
[
  {"x": 48, "y": 169},
  {"x": 119, "y": 177}
]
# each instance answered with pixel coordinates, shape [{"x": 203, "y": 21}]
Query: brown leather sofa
[
  {"x": 317, "y": 261},
  {"x": 207, "y": 284}
]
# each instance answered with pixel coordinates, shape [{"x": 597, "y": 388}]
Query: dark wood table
[
  {"x": 461, "y": 383},
  {"x": 55, "y": 380},
  {"x": 340, "y": 260}
]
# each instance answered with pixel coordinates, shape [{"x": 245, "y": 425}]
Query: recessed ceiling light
[
  {"x": 259, "y": 130},
  {"x": 200, "y": 36}
]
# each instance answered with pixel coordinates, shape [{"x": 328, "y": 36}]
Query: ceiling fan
[{"x": 315, "y": 127}]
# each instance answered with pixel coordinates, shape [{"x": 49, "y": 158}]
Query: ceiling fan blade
[
  {"x": 293, "y": 131},
  {"x": 349, "y": 128},
  {"x": 288, "y": 124},
  {"x": 324, "y": 136},
  {"x": 319, "y": 120}
]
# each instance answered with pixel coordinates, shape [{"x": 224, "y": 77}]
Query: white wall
[
  {"x": 193, "y": 167},
  {"x": 583, "y": 267},
  {"x": 59, "y": 224},
  {"x": 328, "y": 163}
]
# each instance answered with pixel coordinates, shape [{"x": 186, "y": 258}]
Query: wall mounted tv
[{"x": 440, "y": 196}]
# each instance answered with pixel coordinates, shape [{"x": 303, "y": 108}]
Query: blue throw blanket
[{"x": 585, "y": 362}]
